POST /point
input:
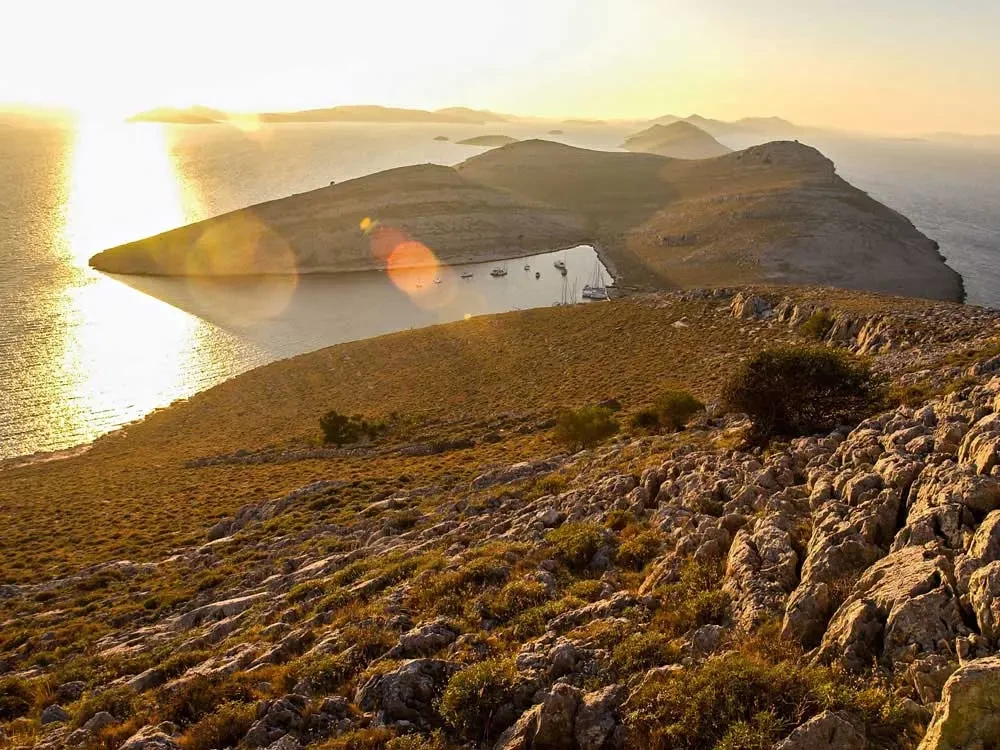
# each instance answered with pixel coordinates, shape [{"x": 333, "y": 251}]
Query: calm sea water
[{"x": 82, "y": 353}]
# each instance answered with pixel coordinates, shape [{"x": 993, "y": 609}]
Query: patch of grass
[
  {"x": 639, "y": 548},
  {"x": 640, "y": 652},
  {"x": 224, "y": 727}
]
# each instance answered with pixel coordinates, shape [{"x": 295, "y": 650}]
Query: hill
[
  {"x": 215, "y": 576},
  {"x": 679, "y": 140},
  {"x": 183, "y": 116},
  {"x": 492, "y": 141},
  {"x": 776, "y": 213}
]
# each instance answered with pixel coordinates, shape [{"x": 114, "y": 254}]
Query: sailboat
[{"x": 596, "y": 288}]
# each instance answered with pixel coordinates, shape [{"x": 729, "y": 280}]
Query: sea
[{"x": 83, "y": 353}]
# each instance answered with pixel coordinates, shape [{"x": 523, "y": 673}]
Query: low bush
[
  {"x": 470, "y": 702},
  {"x": 638, "y": 549},
  {"x": 16, "y": 698},
  {"x": 696, "y": 599},
  {"x": 799, "y": 390},
  {"x": 584, "y": 428},
  {"x": 742, "y": 701},
  {"x": 675, "y": 408},
  {"x": 575, "y": 543},
  {"x": 341, "y": 429},
  {"x": 817, "y": 325},
  {"x": 641, "y": 652},
  {"x": 224, "y": 728}
]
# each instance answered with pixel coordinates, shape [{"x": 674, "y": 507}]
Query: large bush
[
  {"x": 675, "y": 408},
  {"x": 471, "y": 701},
  {"x": 341, "y": 429},
  {"x": 799, "y": 390},
  {"x": 586, "y": 427}
]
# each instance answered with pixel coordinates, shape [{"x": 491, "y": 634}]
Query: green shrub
[
  {"x": 647, "y": 419},
  {"x": 585, "y": 428},
  {"x": 694, "y": 600},
  {"x": 473, "y": 695},
  {"x": 16, "y": 697},
  {"x": 741, "y": 701},
  {"x": 639, "y": 549},
  {"x": 817, "y": 325},
  {"x": 224, "y": 728},
  {"x": 791, "y": 391},
  {"x": 341, "y": 429},
  {"x": 640, "y": 652},
  {"x": 575, "y": 543},
  {"x": 117, "y": 701},
  {"x": 675, "y": 408}
]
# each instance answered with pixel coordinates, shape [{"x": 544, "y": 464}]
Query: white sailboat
[{"x": 596, "y": 288}]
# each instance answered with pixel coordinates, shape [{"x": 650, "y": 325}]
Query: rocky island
[
  {"x": 775, "y": 213},
  {"x": 492, "y": 141},
  {"x": 679, "y": 140},
  {"x": 474, "y": 577}
]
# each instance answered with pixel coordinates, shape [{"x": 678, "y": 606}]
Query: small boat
[
  {"x": 560, "y": 264},
  {"x": 467, "y": 275},
  {"x": 527, "y": 267},
  {"x": 538, "y": 274},
  {"x": 437, "y": 280},
  {"x": 497, "y": 272},
  {"x": 420, "y": 285}
]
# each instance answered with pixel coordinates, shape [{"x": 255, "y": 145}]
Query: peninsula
[{"x": 775, "y": 213}]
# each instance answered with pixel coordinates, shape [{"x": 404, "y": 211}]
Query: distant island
[
  {"x": 771, "y": 127},
  {"x": 441, "y": 138},
  {"x": 679, "y": 140},
  {"x": 555, "y": 132},
  {"x": 584, "y": 122},
  {"x": 775, "y": 213},
  {"x": 492, "y": 141},
  {"x": 346, "y": 113}
]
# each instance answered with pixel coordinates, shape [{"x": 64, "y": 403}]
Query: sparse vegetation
[
  {"x": 575, "y": 543},
  {"x": 790, "y": 391}
]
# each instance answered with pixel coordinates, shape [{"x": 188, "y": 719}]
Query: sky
[{"x": 893, "y": 66}]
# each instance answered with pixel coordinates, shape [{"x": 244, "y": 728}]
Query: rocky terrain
[
  {"x": 679, "y": 140},
  {"x": 776, "y": 213},
  {"x": 841, "y": 590}
]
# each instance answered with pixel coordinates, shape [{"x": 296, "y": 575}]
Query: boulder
[
  {"x": 53, "y": 714},
  {"x": 424, "y": 640},
  {"x": 984, "y": 598},
  {"x": 981, "y": 446},
  {"x": 150, "y": 738},
  {"x": 761, "y": 571},
  {"x": 276, "y": 719},
  {"x": 968, "y": 715},
  {"x": 903, "y": 606},
  {"x": 826, "y": 731},
  {"x": 408, "y": 693},
  {"x": 982, "y": 550}
]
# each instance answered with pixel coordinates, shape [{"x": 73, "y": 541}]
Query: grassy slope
[{"x": 132, "y": 497}]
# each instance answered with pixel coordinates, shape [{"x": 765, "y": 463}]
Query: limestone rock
[
  {"x": 984, "y": 598},
  {"x": 826, "y": 731},
  {"x": 408, "y": 693},
  {"x": 968, "y": 716},
  {"x": 53, "y": 714},
  {"x": 150, "y": 738}
]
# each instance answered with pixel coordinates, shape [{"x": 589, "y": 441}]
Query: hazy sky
[{"x": 883, "y": 65}]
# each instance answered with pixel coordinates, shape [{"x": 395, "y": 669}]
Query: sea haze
[{"x": 82, "y": 353}]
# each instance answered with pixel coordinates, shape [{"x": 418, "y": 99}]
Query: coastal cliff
[
  {"x": 465, "y": 580},
  {"x": 775, "y": 213}
]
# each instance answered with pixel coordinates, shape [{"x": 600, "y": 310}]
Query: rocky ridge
[{"x": 874, "y": 549}]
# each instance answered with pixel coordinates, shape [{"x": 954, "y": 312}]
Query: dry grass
[{"x": 131, "y": 497}]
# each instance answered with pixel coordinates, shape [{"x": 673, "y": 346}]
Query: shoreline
[{"x": 59, "y": 454}]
